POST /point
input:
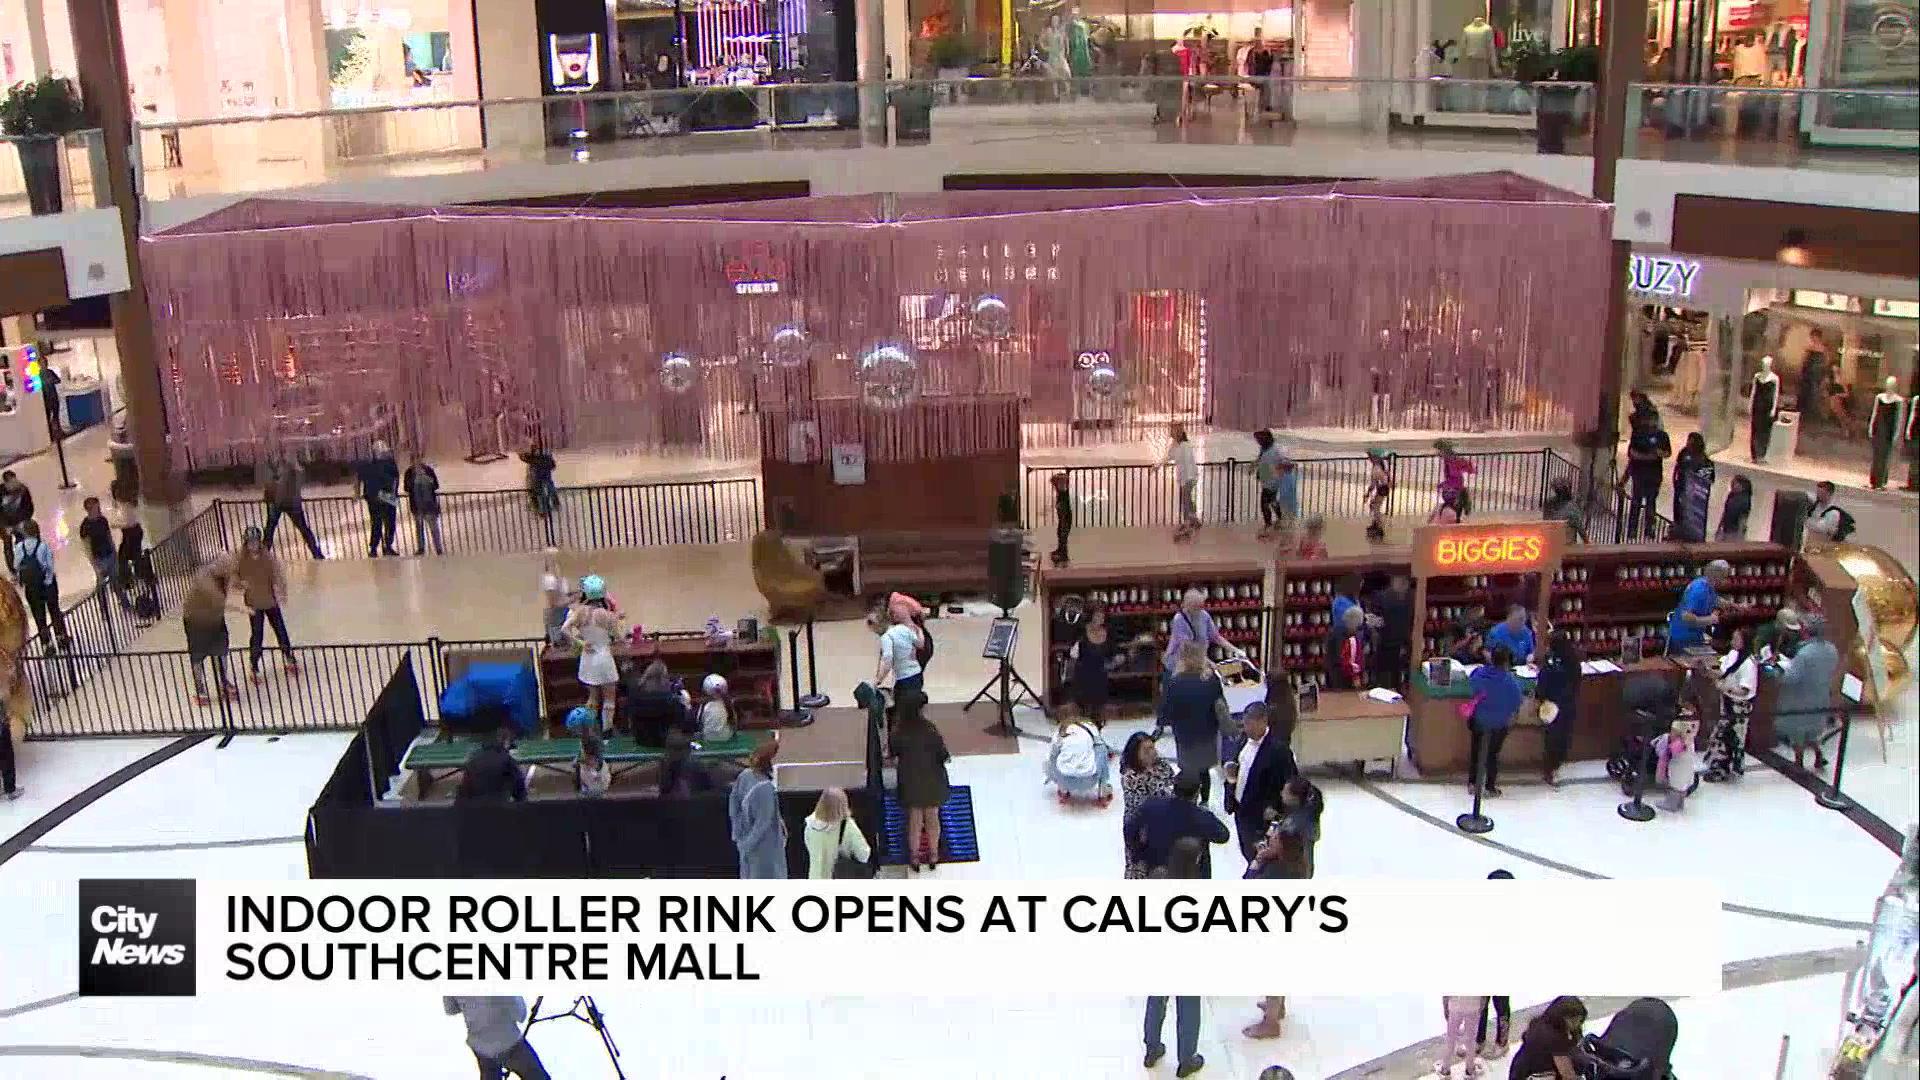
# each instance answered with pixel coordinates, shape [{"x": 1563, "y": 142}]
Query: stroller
[
  {"x": 1655, "y": 702},
  {"x": 1637, "y": 1045}
]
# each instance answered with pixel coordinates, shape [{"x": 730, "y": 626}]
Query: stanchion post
[
  {"x": 1473, "y": 821},
  {"x": 1636, "y": 808},
  {"x": 1836, "y": 800},
  {"x": 218, "y": 664},
  {"x": 814, "y": 699}
]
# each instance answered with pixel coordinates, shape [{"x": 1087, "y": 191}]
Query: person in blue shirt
[
  {"x": 1699, "y": 609},
  {"x": 1497, "y": 696},
  {"x": 1514, "y": 633}
]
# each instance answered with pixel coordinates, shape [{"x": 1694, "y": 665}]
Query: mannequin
[
  {"x": 1053, "y": 41},
  {"x": 1764, "y": 399},
  {"x": 1079, "y": 47},
  {"x": 1912, "y": 437},
  {"x": 1813, "y": 380},
  {"x": 1478, "y": 60},
  {"x": 1882, "y": 428}
]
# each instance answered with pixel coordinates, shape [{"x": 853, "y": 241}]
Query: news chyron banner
[{"x": 811, "y": 938}]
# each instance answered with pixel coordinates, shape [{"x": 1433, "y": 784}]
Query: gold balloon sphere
[
  {"x": 13, "y": 642},
  {"x": 1896, "y": 665},
  {"x": 1888, "y": 588}
]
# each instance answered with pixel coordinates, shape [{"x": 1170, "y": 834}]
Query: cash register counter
[{"x": 1437, "y": 735}]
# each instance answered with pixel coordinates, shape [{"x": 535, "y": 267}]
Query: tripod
[
  {"x": 588, "y": 1013},
  {"x": 1005, "y": 678}
]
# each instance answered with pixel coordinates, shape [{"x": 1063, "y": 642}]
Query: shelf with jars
[
  {"x": 1303, "y": 616},
  {"x": 1141, "y": 605},
  {"x": 1607, "y": 595}
]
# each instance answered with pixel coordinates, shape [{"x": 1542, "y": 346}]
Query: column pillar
[
  {"x": 871, "y": 27},
  {"x": 39, "y": 59},
  {"x": 1621, "y": 60},
  {"x": 100, "y": 58}
]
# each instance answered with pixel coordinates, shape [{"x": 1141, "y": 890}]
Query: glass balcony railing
[
  {"x": 49, "y": 176},
  {"x": 991, "y": 124}
]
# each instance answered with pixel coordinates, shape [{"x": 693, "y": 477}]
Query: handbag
[
  {"x": 1466, "y": 708},
  {"x": 845, "y": 865}
]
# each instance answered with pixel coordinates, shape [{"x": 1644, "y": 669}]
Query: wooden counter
[
  {"x": 751, "y": 668},
  {"x": 1348, "y": 728},
  {"x": 1437, "y": 737}
]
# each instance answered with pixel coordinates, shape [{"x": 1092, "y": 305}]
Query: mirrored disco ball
[
  {"x": 677, "y": 373},
  {"x": 992, "y": 318},
  {"x": 1386, "y": 338},
  {"x": 889, "y": 377},
  {"x": 1103, "y": 381},
  {"x": 789, "y": 346}
]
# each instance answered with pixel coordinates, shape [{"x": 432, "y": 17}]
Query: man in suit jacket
[
  {"x": 1164, "y": 819},
  {"x": 1258, "y": 768}
]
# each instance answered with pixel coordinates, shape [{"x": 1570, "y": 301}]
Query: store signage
[
  {"x": 1658, "y": 275},
  {"x": 1512, "y": 548},
  {"x": 754, "y": 269},
  {"x": 1822, "y": 301},
  {"x": 573, "y": 62},
  {"x": 849, "y": 463},
  {"x": 1897, "y": 309}
]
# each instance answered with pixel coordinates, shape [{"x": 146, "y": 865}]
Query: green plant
[
  {"x": 1529, "y": 60},
  {"x": 951, "y": 50},
  {"x": 46, "y": 108},
  {"x": 1579, "y": 64}
]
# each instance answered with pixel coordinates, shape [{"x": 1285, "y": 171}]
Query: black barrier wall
[{"x": 351, "y": 833}]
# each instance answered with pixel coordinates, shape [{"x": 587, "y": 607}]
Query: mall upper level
[{"x": 1811, "y": 102}]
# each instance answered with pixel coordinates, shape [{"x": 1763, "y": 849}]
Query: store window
[
  {"x": 1832, "y": 355},
  {"x": 394, "y": 54},
  {"x": 1481, "y": 39},
  {"x": 1872, "y": 45}
]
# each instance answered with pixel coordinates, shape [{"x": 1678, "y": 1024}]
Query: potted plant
[
  {"x": 35, "y": 115},
  {"x": 951, "y": 55},
  {"x": 1553, "y": 76}
]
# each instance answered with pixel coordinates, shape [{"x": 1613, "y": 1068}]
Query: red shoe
[
  {"x": 256, "y": 678},
  {"x": 1061, "y": 794},
  {"x": 292, "y": 666},
  {"x": 202, "y": 700}
]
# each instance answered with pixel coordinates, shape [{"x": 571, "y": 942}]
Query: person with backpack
[
  {"x": 33, "y": 569},
  {"x": 1827, "y": 521},
  {"x": 138, "y": 582}
]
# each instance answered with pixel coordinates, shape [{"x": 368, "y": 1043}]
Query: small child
[
  {"x": 1314, "y": 544},
  {"x": 1461, "y": 1013},
  {"x": 1379, "y": 487},
  {"x": 1679, "y": 762},
  {"x": 1062, "y": 517},
  {"x": 591, "y": 775},
  {"x": 1286, "y": 494},
  {"x": 716, "y": 712}
]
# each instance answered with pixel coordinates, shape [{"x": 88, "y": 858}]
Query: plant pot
[
  {"x": 40, "y": 166},
  {"x": 1554, "y": 110}
]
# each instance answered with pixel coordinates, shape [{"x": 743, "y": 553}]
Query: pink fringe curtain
[{"x": 1470, "y": 302}]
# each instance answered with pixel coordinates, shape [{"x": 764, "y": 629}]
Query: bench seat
[{"x": 431, "y": 757}]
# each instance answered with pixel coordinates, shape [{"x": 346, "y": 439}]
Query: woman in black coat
[
  {"x": 1559, "y": 686},
  {"x": 920, "y": 757}
]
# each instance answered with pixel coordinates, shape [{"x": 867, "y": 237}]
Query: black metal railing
[
  {"x": 511, "y": 521},
  {"x": 1504, "y": 481}
]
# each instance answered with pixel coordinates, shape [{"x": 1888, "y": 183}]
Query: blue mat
[{"x": 958, "y": 842}]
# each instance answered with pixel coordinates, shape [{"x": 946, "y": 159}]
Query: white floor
[{"x": 242, "y": 808}]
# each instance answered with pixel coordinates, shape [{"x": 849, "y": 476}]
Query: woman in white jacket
[
  {"x": 1079, "y": 763},
  {"x": 830, "y": 833}
]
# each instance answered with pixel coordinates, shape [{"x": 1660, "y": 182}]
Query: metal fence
[
  {"x": 507, "y": 522},
  {"x": 152, "y": 693},
  {"x": 1503, "y": 481}
]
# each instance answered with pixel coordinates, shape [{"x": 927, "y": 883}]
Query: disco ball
[
  {"x": 1386, "y": 338},
  {"x": 789, "y": 346},
  {"x": 677, "y": 373},
  {"x": 992, "y": 318},
  {"x": 1102, "y": 381},
  {"x": 889, "y": 377}
]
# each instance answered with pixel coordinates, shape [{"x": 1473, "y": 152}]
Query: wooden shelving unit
[
  {"x": 1607, "y": 595},
  {"x": 1304, "y": 594},
  {"x": 752, "y": 671}
]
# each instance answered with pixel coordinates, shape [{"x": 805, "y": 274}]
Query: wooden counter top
[{"x": 1338, "y": 705}]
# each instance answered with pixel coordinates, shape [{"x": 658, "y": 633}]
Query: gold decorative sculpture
[
  {"x": 1891, "y": 596},
  {"x": 13, "y": 642}
]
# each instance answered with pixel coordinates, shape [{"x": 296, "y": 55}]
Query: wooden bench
[
  {"x": 432, "y": 758},
  {"x": 924, "y": 564}
]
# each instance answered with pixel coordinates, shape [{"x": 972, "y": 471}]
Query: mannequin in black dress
[
  {"x": 1811, "y": 399},
  {"x": 1883, "y": 431},
  {"x": 1765, "y": 406}
]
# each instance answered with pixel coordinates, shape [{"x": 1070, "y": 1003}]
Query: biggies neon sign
[{"x": 1513, "y": 548}]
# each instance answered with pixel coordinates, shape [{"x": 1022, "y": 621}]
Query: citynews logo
[{"x": 137, "y": 937}]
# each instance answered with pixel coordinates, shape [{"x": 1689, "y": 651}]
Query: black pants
[
  {"x": 1640, "y": 505},
  {"x": 6, "y": 755},
  {"x": 45, "y": 605},
  {"x": 257, "y": 638},
  {"x": 1493, "y": 741},
  {"x": 521, "y": 1061},
  {"x": 382, "y": 519},
  {"x": 1061, "y": 530},
  {"x": 1389, "y": 662},
  {"x": 1269, "y": 508},
  {"x": 1502, "y": 1010},
  {"x": 1198, "y": 760},
  {"x": 1249, "y": 830},
  {"x": 1559, "y": 737},
  {"x": 297, "y": 515}
]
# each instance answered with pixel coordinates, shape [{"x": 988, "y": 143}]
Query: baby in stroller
[
  {"x": 1679, "y": 761},
  {"x": 1079, "y": 764},
  {"x": 1655, "y": 703}
]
